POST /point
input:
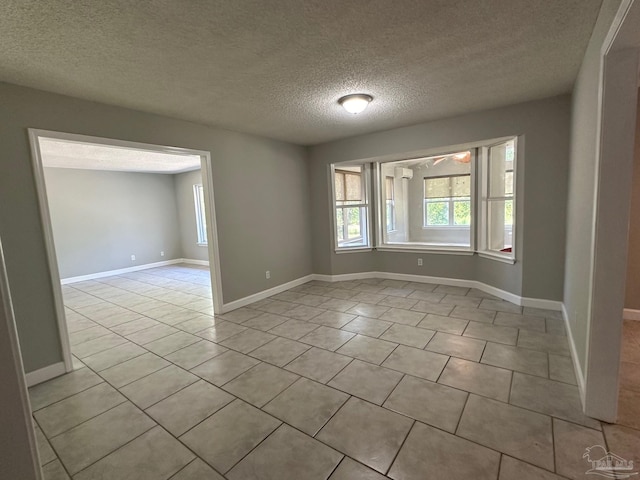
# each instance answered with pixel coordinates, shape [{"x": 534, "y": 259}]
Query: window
[
  {"x": 498, "y": 199},
  {"x": 390, "y": 203},
  {"x": 459, "y": 201},
  {"x": 351, "y": 206},
  {"x": 201, "y": 218},
  {"x": 447, "y": 200},
  {"x": 432, "y": 202}
]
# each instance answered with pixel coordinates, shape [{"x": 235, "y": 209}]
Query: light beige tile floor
[
  {"x": 629, "y": 400},
  {"x": 353, "y": 380}
]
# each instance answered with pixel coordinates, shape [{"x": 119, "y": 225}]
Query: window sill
[
  {"x": 458, "y": 227},
  {"x": 426, "y": 249},
  {"x": 497, "y": 257},
  {"x": 353, "y": 249},
  {"x": 202, "y": 244}
]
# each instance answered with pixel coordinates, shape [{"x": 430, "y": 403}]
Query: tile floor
[
  {"x": 367, "y": 379},
  {"x": 629, "y": 399}
]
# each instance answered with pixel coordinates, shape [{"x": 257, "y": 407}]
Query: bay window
[{"x": 458, "y": 201}]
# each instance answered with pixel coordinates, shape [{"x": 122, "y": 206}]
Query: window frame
[
  {"x": 366, "y": 205},
  {"x": 485, "y": 200},
  {"x": 201, "y": 224}
]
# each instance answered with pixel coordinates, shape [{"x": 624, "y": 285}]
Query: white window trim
[
  {"x": 201, "y": 235},
  {"x": 483, "y": 251},
  {"x": 366, "y": 183}
]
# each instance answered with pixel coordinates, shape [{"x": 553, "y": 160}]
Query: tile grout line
[
  {"x": 394, "y": 349},
  {"x": 400, "y": 449}
]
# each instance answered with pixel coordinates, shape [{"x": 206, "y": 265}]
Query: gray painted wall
[
  {"x": 632, "y": 299},
  {"x": 184, "y": 183},
  {"x": 581, "y": 200},
  {"x": 261, "y": 194},
  {"x": 101, "y": 218},
  {"x": 17, "y": 441},
  {"x": 543, "y": 150}
]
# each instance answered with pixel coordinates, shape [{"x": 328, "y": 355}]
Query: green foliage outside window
[{"x": 462, "y": 213}]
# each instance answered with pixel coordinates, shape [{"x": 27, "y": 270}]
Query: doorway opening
[{"x": 129, "y": 228}]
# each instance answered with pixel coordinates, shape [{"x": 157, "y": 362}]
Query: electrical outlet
[
  {"x": 133, "y": 258},
  {"x": 162, "y": 254},
  {"x": 419, "y": 262},
  {"x": 268, "y": 274}
]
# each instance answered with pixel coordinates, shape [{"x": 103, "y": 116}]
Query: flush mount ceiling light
[{"x": 356, "y": 102}]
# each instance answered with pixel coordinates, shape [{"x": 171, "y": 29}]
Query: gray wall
[
  {"x": 261, "y": 193},
  {"x": 184, "y": 183},
  {"x": 542, "y": 188},
  {"x": 632, "y": 299},
  {"x": 17, "y": 442},
  {"x": 100, "y": 218},
  {"x": 581, "y": 201}
]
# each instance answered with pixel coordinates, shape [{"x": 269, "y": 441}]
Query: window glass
[
  {"x": 437, "y": 187},
  {"x": 340, "y": 187},
  {"x": 354, "y": 187},
  {"x": 497, "y": 230},
  {"x": 389, "y": 188},
  {"x": 351, "y": 208},
  {"x": 448, "y": 200}
]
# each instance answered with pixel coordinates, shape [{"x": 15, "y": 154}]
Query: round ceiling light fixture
[{"x": 355, "y": 103}]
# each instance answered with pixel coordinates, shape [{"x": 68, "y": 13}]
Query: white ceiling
[
  {"x": 65, "y": 154},
  {"x": 277, "y": 68}
]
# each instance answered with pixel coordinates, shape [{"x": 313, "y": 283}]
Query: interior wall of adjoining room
[
  {"x": 632, "y": 297},
  {"x": 261, "y": 190},
  {"x": 542, "y": 128},
  {"x": 101, "y": 218},
  {"x": 582, "y": 181},
  {"x": 184, "y": 183}
]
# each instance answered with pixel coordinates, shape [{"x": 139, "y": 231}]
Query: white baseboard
[
  {"x": 242, "y": 302},
  {"x": 630, "y": 314},
  {"x": 193, "y": 261},
  {"x": 44, "y": 374},
  {"x": 574, "y": 358},
  {"x": 120, "y": 271},
  {"x": 455, "y": 282}
]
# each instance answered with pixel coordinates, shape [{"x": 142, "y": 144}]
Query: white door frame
[
  {"x": 45, "y": 217},
  {"x": 616, "y": 120}
]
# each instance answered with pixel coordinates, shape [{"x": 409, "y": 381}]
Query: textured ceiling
[
  {"x": 86, "y": 156},
  {"x": 277, "y": 68}
]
